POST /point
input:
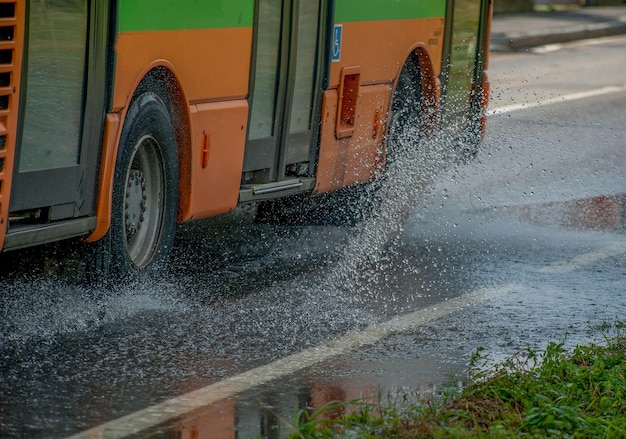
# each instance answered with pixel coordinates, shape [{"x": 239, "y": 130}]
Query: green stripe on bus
[
  {"x": 151, "y": 15},
  {"x": 373, "y": 10}
]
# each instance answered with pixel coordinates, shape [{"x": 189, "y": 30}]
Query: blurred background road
[{"x": 522, "y": 24}]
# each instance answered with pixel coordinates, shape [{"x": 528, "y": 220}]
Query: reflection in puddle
[
  {"x": 272, "y": 415},
  {"x": 215, "y": 421},
  {"x": 603, "y": 213},
  {"x": 338, "y": 388}
]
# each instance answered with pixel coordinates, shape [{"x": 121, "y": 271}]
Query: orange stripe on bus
[
  {"x": 210, "y": 63},
  {"x": 381, "y": 47}
]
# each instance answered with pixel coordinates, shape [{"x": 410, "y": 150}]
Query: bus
[{"x": 120, "y": 119}]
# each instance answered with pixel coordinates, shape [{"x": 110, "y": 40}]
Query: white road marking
[
  {"x": 575, "y": 262},
  {"x": 565, "y": 98},
  {"x": 179, "y": 406},
  {"x": 589, "y": 42},
  {"x": 547, "y": 48}
]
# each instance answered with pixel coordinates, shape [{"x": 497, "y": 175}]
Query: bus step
[
  {"x": 266, "y": 191},
  {"x": 27, "y": 235}
]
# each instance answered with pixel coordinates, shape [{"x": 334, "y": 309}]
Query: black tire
[
  {"x": 145, "y": 190},
  {"x": 405, "y": 121}
]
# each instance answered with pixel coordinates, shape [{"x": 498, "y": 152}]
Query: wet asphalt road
[{"x": 538, "y": 218}]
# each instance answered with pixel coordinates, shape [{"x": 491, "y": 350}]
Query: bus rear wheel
[
  {"x": 405, "y": 123},
  {"x": 145, "y": 189}
]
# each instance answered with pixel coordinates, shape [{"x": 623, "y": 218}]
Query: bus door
[
  {"x": 284, "y": 90},
  {"x": 59, "y": 133},
  {"x": 465, "y": 45}
]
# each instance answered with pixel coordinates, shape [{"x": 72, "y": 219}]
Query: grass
[{"x": 557, "y": 393}]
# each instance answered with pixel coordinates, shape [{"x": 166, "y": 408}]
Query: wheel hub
[{"x": 135, "y": 204}]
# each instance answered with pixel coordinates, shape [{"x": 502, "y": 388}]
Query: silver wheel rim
[{"x": 144, "y": 200}]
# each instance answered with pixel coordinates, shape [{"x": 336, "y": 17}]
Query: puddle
[
  {"x": 270, "y": 411},
  {"x": 598, "y": 214}
]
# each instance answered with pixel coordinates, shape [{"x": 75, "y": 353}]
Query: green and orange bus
[{"x": 120, "y": 119}]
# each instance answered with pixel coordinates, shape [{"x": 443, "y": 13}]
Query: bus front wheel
[{"x": 145, "y": 189}]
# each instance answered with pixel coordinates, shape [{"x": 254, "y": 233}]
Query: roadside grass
[{"x": 556, "y": 393}]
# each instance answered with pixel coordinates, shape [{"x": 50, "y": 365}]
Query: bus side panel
[
  {"x": 354, "y": 159},
  {"x": 212, "y": 64},
  {"x": 380, "y": 48},
  {"x": 219, "y": 136}
]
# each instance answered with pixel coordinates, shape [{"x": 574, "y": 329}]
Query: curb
[{"x": 513, "y": 42}]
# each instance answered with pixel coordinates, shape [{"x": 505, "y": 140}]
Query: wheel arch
[
  {"x": 430, "y": 85},
  {"x": 161, "y": 79}
]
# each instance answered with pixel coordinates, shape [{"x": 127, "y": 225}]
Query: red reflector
[{"x": 206, "y": 143}]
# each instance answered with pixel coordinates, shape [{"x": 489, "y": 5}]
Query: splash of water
[
  {"x": 47, "y": 308},
  {"x": 417, "y": 161},
  {"x": 50, "y": 308}
]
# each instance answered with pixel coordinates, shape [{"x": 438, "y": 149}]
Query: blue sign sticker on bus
[{"x": 337, "y": 33}]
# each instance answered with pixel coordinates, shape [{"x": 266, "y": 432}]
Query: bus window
[
  {"x": 305, "y": 67},
  {"x": 48, "y": 171},
  {"x": 466, "y": 19},
  {"x": 267, "y": 73},
  {"x": 57, "y": 40},
  {"x": 57, "y": 144},
  {"x": 303, "y": 103}
]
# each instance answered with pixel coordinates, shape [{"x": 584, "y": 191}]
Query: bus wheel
[
  {"x": 405, "y": 123},
  {"x": 145, "y": 189}
]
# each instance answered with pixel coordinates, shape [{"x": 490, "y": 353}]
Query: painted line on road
[
  {"x": 177, "y": 407},
  {"x": 565, "y": 98},
  {"x": 548, "y": 48},
  {"x": 579, "y": 261}
]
